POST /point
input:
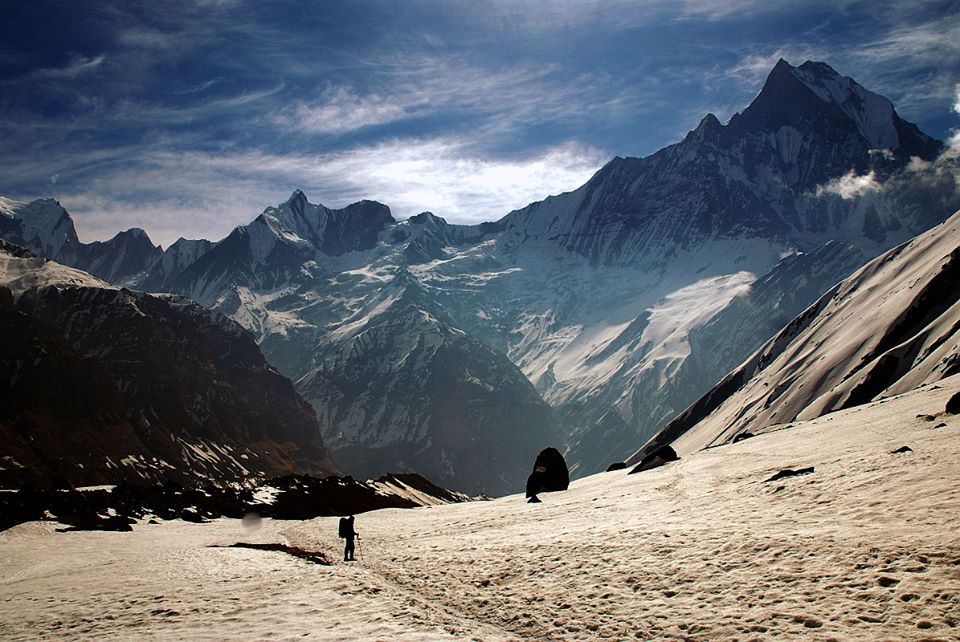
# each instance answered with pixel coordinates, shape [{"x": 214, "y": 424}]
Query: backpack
[{"x": 344, "y": 527}]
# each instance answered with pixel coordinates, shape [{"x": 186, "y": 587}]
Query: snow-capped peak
[
  {"x": 45, "y": 226},
  {"x": 873, "y": 114}
]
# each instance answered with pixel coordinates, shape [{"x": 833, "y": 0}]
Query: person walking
[{"x": 349, "y": 534}]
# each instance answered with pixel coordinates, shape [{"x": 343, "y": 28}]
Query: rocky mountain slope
[
  {"x": 891, "y": 327},
  {"x": 118, "y": 507},
  {"x": 107, "y": 385},
  {"x": 615, "y": 301}
]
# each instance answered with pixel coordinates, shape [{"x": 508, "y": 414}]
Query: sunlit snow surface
[
  {"x": 864, "y": 548},
  {"x": 19, "y": 275}
]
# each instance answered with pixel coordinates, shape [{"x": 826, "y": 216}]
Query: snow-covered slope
[
  {"x": 21, "y": 271},
  {"x": 891, "y": 327},
  {"x": 863, "y": 548}
]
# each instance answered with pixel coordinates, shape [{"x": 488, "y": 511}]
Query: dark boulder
[
  {"x": 534, "y": 500},
  {"x": 901, "y": 450},
  {"x": 549, "y": 474},
  {"x": 618, "y": 465},
  {"x": 657, "y": 458},
  {"x": 953, "y": 406}
]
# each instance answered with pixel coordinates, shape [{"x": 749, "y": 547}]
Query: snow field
[{"x": 864, "y": 548}]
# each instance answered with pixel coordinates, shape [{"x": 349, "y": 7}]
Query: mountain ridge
[{"x": 596, "y": 295}]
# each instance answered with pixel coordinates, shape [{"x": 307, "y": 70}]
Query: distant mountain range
[{"x": 589, "y": 319}]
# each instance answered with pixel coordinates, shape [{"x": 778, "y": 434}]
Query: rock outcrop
[{"x": 549, "y": 474}]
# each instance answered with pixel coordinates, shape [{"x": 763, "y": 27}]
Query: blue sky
[{"x": 188, "y": 117}]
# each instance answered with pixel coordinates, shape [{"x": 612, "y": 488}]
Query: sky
[{"x": 189, "y": 117}]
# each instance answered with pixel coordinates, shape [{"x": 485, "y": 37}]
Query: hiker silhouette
[{"x": 348, "y": 534}]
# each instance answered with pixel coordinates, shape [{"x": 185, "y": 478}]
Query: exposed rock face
[
  {"x": 118, "y": 260},
  {"x": 164, "y": 271},
  {"x": 549, "y": 473},
  {"x": 110, "y": 385}
]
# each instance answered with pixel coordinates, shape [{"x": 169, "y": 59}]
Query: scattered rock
[
  {"x": 789, "y": 472},
  {"x": 927, "y": 417},
  {"x": 741, "y": 436},
  {"x": 885, "y": 581},
  {"x": 619, "y": 465},
  {"x": 924, "y": 624},
  {"x": 901, "y": 449},
  {"x": 940, "y": 425},
  {"x": 657, "y": 458},
  {"x": 549, "y": 474},
  {"x": 295, "y": 497},
  {"x": 953, "y": 406}
]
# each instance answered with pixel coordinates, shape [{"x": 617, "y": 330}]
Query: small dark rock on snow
[
  {"x": 789, "y": 472},
  {"x": 617, "y": 465},
  {"x": 901, "y": 450},
  {"x": 657, "y": 458}
]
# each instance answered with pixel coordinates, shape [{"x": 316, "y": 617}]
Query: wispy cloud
[
  {"x": 754, "y": 67},
  {"x": 341, "y": 110},
  {"x": 204, "y": 194},
  {"x": 851, "y": 185},
  {"x": 927, "y": 53},
  {"x": 76, "y": 66}
]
